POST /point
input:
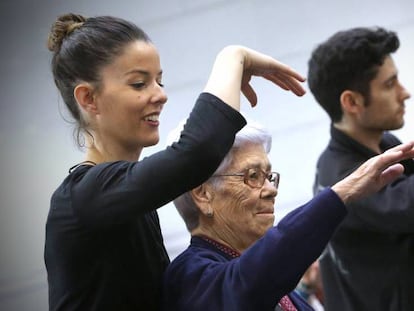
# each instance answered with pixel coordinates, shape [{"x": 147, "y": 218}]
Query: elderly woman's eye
[{"x": 253, "y": 174}]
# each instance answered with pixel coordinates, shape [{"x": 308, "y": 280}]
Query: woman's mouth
[{"x": 152, "y": 118}]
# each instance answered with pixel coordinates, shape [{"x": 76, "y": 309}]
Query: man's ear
[
  {"x": 84, "y": 96},
  {"x": 202, "y": 197},
  {"x": 351, "y": 101}
]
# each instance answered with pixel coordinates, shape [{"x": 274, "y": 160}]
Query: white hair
[{"x": 252, "y": 132}]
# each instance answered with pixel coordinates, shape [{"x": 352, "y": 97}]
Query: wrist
[
  {"x": 304, "y": 289},
  {"x": 343, "y": 192}
]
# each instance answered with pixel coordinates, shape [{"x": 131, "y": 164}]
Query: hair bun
[{"x": 61, "y": 28}]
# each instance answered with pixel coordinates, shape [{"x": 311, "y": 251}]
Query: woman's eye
[
  {"x": 160, "y": 84},
  {"x": 138, "y": 85}
]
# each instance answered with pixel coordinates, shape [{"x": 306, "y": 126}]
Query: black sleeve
[{"x": 112, "y": 193}]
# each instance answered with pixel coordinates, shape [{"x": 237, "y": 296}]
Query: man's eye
[{"x": 391, "y": 83}]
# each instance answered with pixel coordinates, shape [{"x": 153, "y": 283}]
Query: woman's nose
[{"x": 160, "y": 96}]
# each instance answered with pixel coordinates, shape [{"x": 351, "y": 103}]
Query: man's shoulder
[
  {"x": 390, "y": 140},
  {"x": 334, "y": 154},
  {"x": 334, "y": 163}
]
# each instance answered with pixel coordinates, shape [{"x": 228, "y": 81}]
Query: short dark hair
[
  {"x": 81, "y": 48},
  {"x": 348, "y": 60}
]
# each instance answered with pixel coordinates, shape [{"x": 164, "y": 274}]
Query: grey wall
[{"x": 36, "y": 146}]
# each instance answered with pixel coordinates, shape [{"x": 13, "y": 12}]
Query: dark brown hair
[
  {"x": 349, "y": 59},
  {"x": 81, "y": 48}
]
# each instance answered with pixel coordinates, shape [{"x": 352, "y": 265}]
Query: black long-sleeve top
[{"x": 104, "y": 249}]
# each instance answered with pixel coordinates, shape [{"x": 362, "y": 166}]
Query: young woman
[{"x": 104, "y": 249}]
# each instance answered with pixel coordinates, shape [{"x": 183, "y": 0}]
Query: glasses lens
[
  {"x": 254, "y": 178},
  {"x": 274, "y": 179}
]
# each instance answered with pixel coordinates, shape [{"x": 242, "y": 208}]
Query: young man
[{"x": 369, "y": 262}]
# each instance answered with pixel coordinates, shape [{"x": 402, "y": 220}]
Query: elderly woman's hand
[{"x": 374, "y": 174}]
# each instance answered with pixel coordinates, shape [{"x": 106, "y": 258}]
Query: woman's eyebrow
[{"x": 142, "y": 72}]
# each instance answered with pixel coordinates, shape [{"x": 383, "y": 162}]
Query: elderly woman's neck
[{"x": 229, "y": 239}]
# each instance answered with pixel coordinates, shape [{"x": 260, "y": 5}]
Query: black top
[
  {"x": 369, "y": 262},
  {"x": 104, "y": 249}
]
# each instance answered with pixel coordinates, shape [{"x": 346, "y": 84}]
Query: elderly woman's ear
[{"x": 202, "y": 196}]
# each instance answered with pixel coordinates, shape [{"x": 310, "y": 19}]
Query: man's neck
[{"x": 369, "y": 138}]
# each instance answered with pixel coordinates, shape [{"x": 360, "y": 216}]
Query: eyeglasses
[{"x": 255, "y": 177}]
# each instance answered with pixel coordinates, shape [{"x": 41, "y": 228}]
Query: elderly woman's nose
[{"x": 270, "y": 188}]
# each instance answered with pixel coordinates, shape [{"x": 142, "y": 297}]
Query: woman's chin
[{"x": 151, "y": 141}]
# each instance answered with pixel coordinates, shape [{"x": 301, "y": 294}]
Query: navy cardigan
[{"x": 204, "y": 278}]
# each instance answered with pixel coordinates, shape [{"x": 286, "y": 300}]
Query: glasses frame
[{"x": 272, "y": 177}]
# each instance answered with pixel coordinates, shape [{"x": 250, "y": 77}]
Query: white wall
[{"x": 36, "y": 146}]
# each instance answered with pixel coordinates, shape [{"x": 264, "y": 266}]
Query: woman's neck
[{"x": 99, "y": 154}]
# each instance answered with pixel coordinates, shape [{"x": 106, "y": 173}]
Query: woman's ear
[
  {"x": 84, "y": 95},
  {"x": 202, "y": 197}
]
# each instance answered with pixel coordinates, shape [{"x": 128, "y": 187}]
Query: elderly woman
[{"x": 237, "y": 259}]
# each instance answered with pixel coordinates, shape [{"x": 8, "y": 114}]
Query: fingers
[
  {"x": 374, "y": 174},
  {"x": 272, "y": 65},
  {"x": 287, "y": 83},
  {"x": 402, "y": 147},
  {"x": 289, "y": 78},
  {"x": 283, "y": 82},
  {"x": 396, "y": 154},
  {"x": 296, "y": 87},
  {"x": 391, "y": 173},
  {"x": 250, "y": 94},
  {"x": 258, "y": 64},
  {"x": 283, "y": 69}
]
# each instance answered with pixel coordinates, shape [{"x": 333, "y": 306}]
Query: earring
[{"x": 210, "y": 213}]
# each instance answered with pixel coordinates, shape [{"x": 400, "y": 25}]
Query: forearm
[{"x": 226, "y": 76}]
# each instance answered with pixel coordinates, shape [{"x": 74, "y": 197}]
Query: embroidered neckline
[{"x": 225, "y": 249}]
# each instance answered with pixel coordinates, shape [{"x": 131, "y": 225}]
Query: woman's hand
[
  {"x": 236, "y": 65},
  {"x": 261, "y": 65},
  {"x": 374, "y": 174}
]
